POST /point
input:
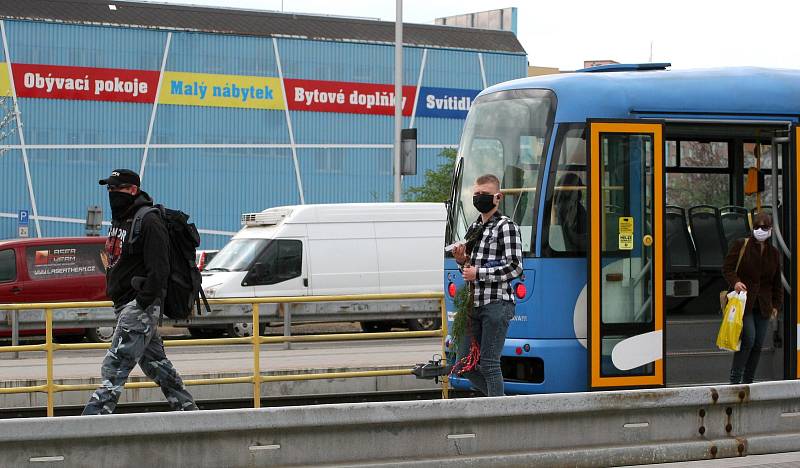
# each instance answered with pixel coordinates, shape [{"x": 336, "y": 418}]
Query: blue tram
[{"x": 628, "y": 183}]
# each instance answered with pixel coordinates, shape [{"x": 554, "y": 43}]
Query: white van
[{"x": 334, "y": 249}]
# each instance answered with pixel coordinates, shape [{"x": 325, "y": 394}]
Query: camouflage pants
[{"x": 136, "y": 340}]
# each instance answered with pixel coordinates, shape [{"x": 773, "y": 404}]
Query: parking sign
[{"x": 23, "y": 217}]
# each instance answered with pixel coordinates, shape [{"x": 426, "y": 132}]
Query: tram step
[
  {"x": 697, "y": 334},
  {"x": 712, "y": 367}
]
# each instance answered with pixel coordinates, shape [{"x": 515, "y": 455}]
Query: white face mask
[{"x": 761, "y": 235}]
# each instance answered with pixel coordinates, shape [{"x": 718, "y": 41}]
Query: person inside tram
[
  {"x": 759, "y": 274},
  {"x": 569, "y": 211}
]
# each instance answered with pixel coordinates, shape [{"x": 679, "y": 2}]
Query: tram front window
[{"x": 506, "y": 134}]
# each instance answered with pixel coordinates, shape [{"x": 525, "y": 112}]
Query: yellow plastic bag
[{"x": 730, "y": 331}]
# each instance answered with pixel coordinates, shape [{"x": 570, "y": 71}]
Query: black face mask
[
  {"x": 483, "y": 202},
  {"x": 120, "y": 203}
]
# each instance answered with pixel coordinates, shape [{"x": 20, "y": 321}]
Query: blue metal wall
[
  {"x": 229, "y": 55},
  {"x": 216, "y": 185}
]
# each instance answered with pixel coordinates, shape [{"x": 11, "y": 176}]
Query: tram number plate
[{"x": 626, "y": 233}]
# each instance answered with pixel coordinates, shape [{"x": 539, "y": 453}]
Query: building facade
[{"x": 222, "y": 111}]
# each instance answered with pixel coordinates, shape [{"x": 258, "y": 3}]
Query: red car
[{"x": 64, "y": 269}]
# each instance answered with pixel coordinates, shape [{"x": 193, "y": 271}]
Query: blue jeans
[
  {"x": 488, "y": 324},
  {"x": 745, "y": 361}
]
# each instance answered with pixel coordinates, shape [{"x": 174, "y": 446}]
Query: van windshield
[{"x": 238, "y": 255}]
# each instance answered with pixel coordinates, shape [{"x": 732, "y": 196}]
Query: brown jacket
[{"x": 760, "y": 271}]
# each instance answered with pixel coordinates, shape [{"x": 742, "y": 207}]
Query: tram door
[
  {"x": 795, "y": 224},
  {"x": 625, "y": 276}
]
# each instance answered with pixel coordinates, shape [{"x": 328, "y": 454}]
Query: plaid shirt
[{"x": 498, "y": 258}]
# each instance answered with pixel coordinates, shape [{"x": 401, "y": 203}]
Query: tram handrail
[
  {"x": 775, "y": 222},
  {"x": 257, "y": 378},
  {"x": 778, "y": 237}
]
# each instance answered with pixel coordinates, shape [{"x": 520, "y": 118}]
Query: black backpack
[{"x": 184, "y": 287}]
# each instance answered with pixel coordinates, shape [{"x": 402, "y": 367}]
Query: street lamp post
[{"x": 398, "y": 97}]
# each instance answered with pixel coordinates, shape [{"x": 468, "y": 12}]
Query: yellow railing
[{"x": 49, "y": 347}]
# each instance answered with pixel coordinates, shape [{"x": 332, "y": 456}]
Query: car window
[
  {"x": 8, "y": 265},
  {"x": 282, "y": 260},
  {"x": 237, "y": 255},
  {"x": 64, "y": 260},
  {"x": 290, "y": 259}
]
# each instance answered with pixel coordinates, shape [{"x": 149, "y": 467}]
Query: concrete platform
[{"x": 83, "y": 367}]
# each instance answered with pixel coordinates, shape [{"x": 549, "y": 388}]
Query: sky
[{"x": 564, "y": 33}]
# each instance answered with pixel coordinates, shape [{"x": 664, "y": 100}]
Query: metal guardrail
[
  {"x": 580, "y": 429},
  {"x": 49, "y": 347}
]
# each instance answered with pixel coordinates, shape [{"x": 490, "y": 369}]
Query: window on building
[{"x": 330, "y": 161}]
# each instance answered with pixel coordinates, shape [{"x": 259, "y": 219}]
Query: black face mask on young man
[
  {"x": 120, "y": 203},
  {"x": 483, "y": 202}
]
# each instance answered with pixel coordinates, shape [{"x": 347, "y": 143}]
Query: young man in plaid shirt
[{"x": 494, "y": 261}]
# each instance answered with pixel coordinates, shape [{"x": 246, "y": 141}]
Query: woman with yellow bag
[{"x": 758, "y": 273}]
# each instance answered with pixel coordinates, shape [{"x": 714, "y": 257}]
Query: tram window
[
  {"x": 487, "y": 149},
  {"x": 766, "y": 167},
  {"x": 710, "y": 185},
  {"x": 530, "y": 149},
  {"x": 766, "y": 195},
  {"x": 565, "y": 212},
  {"x": 671, "y": 153},
  {"x": 502, "y": 136},
  {"x": 692, "y": 189},
  {"x": 766, "y": 156},
  {"x": 702, "y": 154}
]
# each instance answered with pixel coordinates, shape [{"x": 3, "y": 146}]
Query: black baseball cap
[{"x": 122, "y": 177}]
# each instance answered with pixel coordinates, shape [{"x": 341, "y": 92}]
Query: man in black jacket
[{"x": 136, "y": 281}]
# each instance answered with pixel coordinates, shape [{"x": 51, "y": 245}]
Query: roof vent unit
[
  {"x": 624, "y": 67},
  {"x": 267, "y": 218}
]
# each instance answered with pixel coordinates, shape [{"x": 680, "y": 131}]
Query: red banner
[
  {"x": 346, "y": 98},
  {"x": 85, "y": 83}
]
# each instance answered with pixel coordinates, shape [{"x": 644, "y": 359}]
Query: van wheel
[
  {"x": 100, "y": 334},
  {"x": 424, "y": 324},
  {"x": 376, "y": 327},
  {"x": 243, "y": 329}
]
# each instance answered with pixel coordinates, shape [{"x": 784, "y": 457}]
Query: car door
[
  {"x": 280, "y": 270},
  {"x": 11, "y": 286},
  {"x": 64, "y": 272}
]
